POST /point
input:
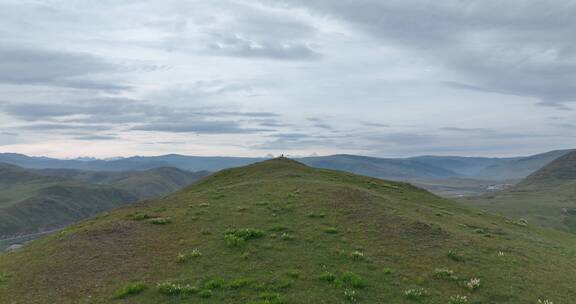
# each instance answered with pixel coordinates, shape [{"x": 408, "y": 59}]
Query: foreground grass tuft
[
  {"x": 160, "y": 221},
  {"x": 269, "y": 298},
  {"x": 130, "y": 290},
  {"x": 458, "y": 300},
  {"x": 415, "y": 294},
  {"x": 454, "y": 256},
  {"x": 4, "y": 277},
  {"x": 237, "y": 237},
  {"x": 173, "y": 289},
  {"x": 139, "y": 216},
  {"x": 185, "y": 257},
  {"x": 445, "y": 274}
]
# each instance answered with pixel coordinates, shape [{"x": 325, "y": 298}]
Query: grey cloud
[
  {"x": 374, "y": 124},
  {"x": 522, "y": 50},
  {"x": 467, "y": 130},
  {"x": 242, "y": 47},
  {"x": 323, "y": 126},
  {"x": 63, "y": 126},
  {"x": 566, "y": 125},
  {"x": 34, "y": 66},
  {"x": 292, "y": 141},
  {"x": 115, "y": 110},
  {"x": 268, "y": 122},
  {"x": 109, "y": 113},
  {"x": 290, "y": 136},
  {"x": 201, "y": 127},
  {"x": 405, "y": 139},
  {"x": 96, "y": 137},
  {"x": 9, "y": 133}
]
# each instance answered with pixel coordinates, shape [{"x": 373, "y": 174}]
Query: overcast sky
[{"x": 251, "y": 77}]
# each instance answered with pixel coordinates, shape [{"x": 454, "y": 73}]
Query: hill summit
[{"x": 281, "y": 232}]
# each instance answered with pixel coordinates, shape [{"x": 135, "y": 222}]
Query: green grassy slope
[
  {"x": 37, "y": 200},
  {"x": 521, "y": 167},
  {"x": 142, "y": 184},
  {"x": 281, "y": 232},
  {"x": 546, "y": 197},
  {"x": 31, "y": 202}
]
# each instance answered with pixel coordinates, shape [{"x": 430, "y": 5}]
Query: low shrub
[
  {"x": 327, "y": 277},
  {"x": 215, "y": 283},
  {"x": 445, "y": 274},
  {"x": 351, "y": 295},
  {"x": 4, "y": 277},
  {"x": 415, "y": 293},
  {"x": 316, "y": 215},
  {"x": 238, "y": 283},
  {"x": 293, "y": 273},
  {"x": 205, "y": 293},
  {"x": 357, "y": 255},
  {"x": 278, "y": 228},
  {"x": 185, "y": 257},
  {"x": 173, "y": 289},
  {"x": 269, "y": 298},
  {"x": 160, "y": 221},
  {"x": 286, "y": 237},
  {"x": 458, "y": 300},
  {"x": 237, "y": 237},
  {"x": 472, "y": 284},
  {"x": 331, "y": 230},
  {"x": 455, "y": 256},
  {"x": 350, "y": 279},
  {"x": 139, "y": 216},
  {"x": 130, "y": 290},
  {"x": 521, "y": 222}
]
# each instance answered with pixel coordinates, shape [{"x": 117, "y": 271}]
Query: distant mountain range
[
  {"x": 41, "y": 193},
  {"x": 546, "y": 197},
  {"x": 422, "y": 167},
  {"x": 33, "y": 200}
]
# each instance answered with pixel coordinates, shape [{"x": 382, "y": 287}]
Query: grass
[
  {"x": 4, "y": 277},
  {"x": 160, "y": 221},
  {"x": 458, "y": 300},
  {"x": 186, "y": 257},
  {"x": 76, "y": 194},
  {"x": 394, "y": 227},
  {"x": 445, "y": 274},
  {"x": 237, "y": 237},
  {"x": 331, "y": 230},
  {"x": 130, "y": 289},
  {"x": 456, "y": 257},
  {"x": 174, "y": 289},
  {"x": 546, "y": 198},
  {"x": 415, "y": 294}
]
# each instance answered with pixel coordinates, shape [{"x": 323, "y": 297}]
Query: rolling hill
[
  {"x": 142, "y": 184},
  {"x": 379, "y": 167},
  {"x": 519, "y": 168},
  {"x": 281, "y": 232},
  {"x": 33, "y": 201},
  {"x": 546, "y": 197}
]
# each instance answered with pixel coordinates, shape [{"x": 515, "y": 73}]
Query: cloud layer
[{"x": 252, "y": 77}]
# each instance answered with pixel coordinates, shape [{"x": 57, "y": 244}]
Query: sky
[{"x": 106, "y": 78}]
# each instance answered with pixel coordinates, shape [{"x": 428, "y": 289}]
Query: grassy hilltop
[{"x": 281, "y": 232}]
